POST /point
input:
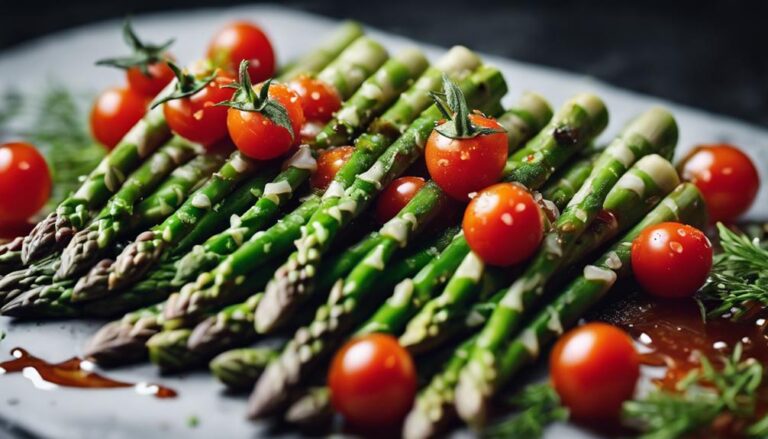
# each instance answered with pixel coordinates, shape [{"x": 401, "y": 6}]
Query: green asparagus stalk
[
  {"x": 654, "y": 131},
  {"x": 193, "y": 300},
  {"x": 10, "y": 256},
  {"x": 72, "y": 214},
  {"x": 633, "y": 196},
  {"x": 170, "y": 195},
  {"x": 293, "y": 282},
  {"x": 314, "y": 408},
  {"x": 149, "y": 246},
  {"x": 312, "y": 343},
  {"x": 167, "y": 349},
  {"x": 375, "y": 93},
  {"x": 238, "y": 369},
  {"x": 229, "y": 328},
  {"x": 685, "y": 204},
  {"x": 323, "y": 55},
  {"x": 122, "y": 341},
  {"x": 99, "y": 236}
]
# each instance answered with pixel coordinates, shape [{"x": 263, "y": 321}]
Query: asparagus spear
[
  {"x": 72, "y": 214},
  {"x": 171, "y": 194},
  {"x": 94, "y": 240},
  {"x": 314, "y": 408},
  {"x": 122, "y": 341},
  {"x": 653, "y": 131},
  {"x": 230, "y": 327},
  {"x": 584, "y": 114},
  {"x": 321, "y": 56},
  {"x": 238, "y": 369},
  {"x": 168, "y": 349},
  {"x": 10, "y": 256},
  {"x": 636, "y": 193},
  {"x": 293, "y": 282},
  {"x": 149, "y": 246},
  {"x": 374, "y": 95}
]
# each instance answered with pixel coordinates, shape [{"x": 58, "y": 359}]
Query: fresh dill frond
[
  {"x": 540, "y": 406},
  {"x": 739, "y": 276},
  {"x": 702, "y": 396}
]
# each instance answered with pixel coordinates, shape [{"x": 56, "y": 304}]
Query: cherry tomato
[
  {"x": 395, "y": 196},
  {"x": 503, "y": 224},
  {"x": 373, "y": 381},
  {"x": 243, "y": 40},
  {"x": 319, "y": 100},
  {"x": 463, "y": 166},
  {"x": 196, "y": 117},
  {"x": 725, "y": 176},
  {"x": 25, "y": 183},
  {"x": 594, "y": 369},
  {"x": 671, "y": 259},
  {"x": 114, "y": 113},
  {"x": 160, "y": 75},
  {"x": 257, "y": 136},
  {"x": 328, "y": 164}
]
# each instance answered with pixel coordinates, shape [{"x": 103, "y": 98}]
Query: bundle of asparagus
[{"x": 201, "y": 256}]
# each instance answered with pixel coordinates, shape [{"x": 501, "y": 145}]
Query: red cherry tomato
[
  {"x": 328, "y": 164},
  {"x": 594, "y": 369},
  {"x": 160, "y": 75},
  {"x": 463, "y": 166},
  {"x": 372, "y": 381},
  {"x": 395, "y": 196},
  {"x": 503, "y": 224},
  {"x": 319, "y": 100},
  {"x": 196, "y": 117},
  {"x": 25, "y": 183},
  {"x": 114, "y": 113},
  {"x": 725, "y": 176},
  {"x": 257, "y": 136},
  {"x": 671, "y": 259},
  {"x": 243, "y": 40}
]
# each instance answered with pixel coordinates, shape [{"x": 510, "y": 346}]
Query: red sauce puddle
[
  {"x": 74, "y": 372},
  {"x": 677, "y": 335}
]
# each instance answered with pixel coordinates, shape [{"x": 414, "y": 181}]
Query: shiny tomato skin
[
  {"x": 372, "y": 381},
  {"x": 160, "y": 75},
  {"x": 114, "y": 113},
  {"x": 503, "y": 224},
  {"x": 319, "y": 100},
  {"x": 395, "y": 196},
  {"x": 196, "y": 117},
  {"x": 328, "y": 164},
  {"x": 241, "y": 40},
  {"x": 671, "y": 259},
  {"x": 594, "y": 369},
  {"x": 258, "y": 137},
  {"x": 25, "y": 183},
  {"x": 463, "y": 166},
  {"x": 726, "y": 177}
]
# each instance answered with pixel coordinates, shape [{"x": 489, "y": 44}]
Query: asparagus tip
[
  {"x": 269, "y": 395},
  {"x": 471, "y": 404}
]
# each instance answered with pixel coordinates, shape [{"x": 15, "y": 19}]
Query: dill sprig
[
  {"x": 739, "y": 276},
  {"x": 701, "y": 397},
  {"x": 53, "y": 122},
  {"x": 540, "y": 407}
]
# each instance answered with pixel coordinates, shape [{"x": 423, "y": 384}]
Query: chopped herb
[{"x": 193, "y": 421}]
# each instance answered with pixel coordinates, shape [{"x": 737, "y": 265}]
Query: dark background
[{"x": 711, "y": 55}]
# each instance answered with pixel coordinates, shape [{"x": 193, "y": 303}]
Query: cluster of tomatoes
[{"x": 594, "y": 368}]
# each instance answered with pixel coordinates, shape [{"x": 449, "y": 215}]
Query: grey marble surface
[{"x": 68, "y": 57}]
